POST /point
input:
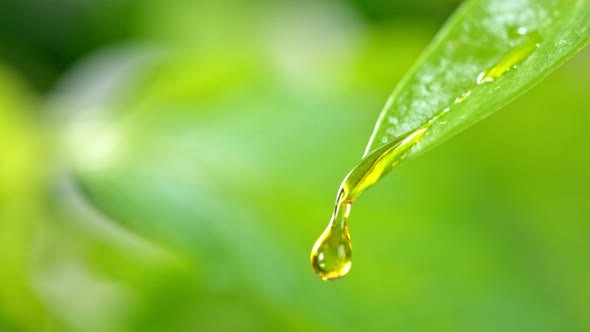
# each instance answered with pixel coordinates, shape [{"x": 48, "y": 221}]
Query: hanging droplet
[{"x": 331, "y": 256}]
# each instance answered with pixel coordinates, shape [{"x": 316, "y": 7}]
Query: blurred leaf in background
[
  {"x": 176, "y": 179},
  {"x": 20, "y": 201}
]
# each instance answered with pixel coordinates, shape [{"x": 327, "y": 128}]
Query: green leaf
[{"x": 509, "y": 44}]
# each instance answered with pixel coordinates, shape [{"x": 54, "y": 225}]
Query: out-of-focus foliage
[
  {"x": 176, "y": 182},
  {"x": 20, "y": 207}
]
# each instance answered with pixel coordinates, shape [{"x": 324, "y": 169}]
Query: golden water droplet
[{"x": 331, "y": 256}]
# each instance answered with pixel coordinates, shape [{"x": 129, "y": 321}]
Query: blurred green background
[{"x": 167, "y": 166}]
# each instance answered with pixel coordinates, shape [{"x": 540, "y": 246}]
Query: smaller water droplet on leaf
[{"x": 512, "y": 59}]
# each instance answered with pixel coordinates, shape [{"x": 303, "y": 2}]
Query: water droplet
[
  {"x": 331, "y": 256},
  {"x": 513, "y": 58}
]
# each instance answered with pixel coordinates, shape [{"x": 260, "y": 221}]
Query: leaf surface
[{"x": 509, "y": 44}]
